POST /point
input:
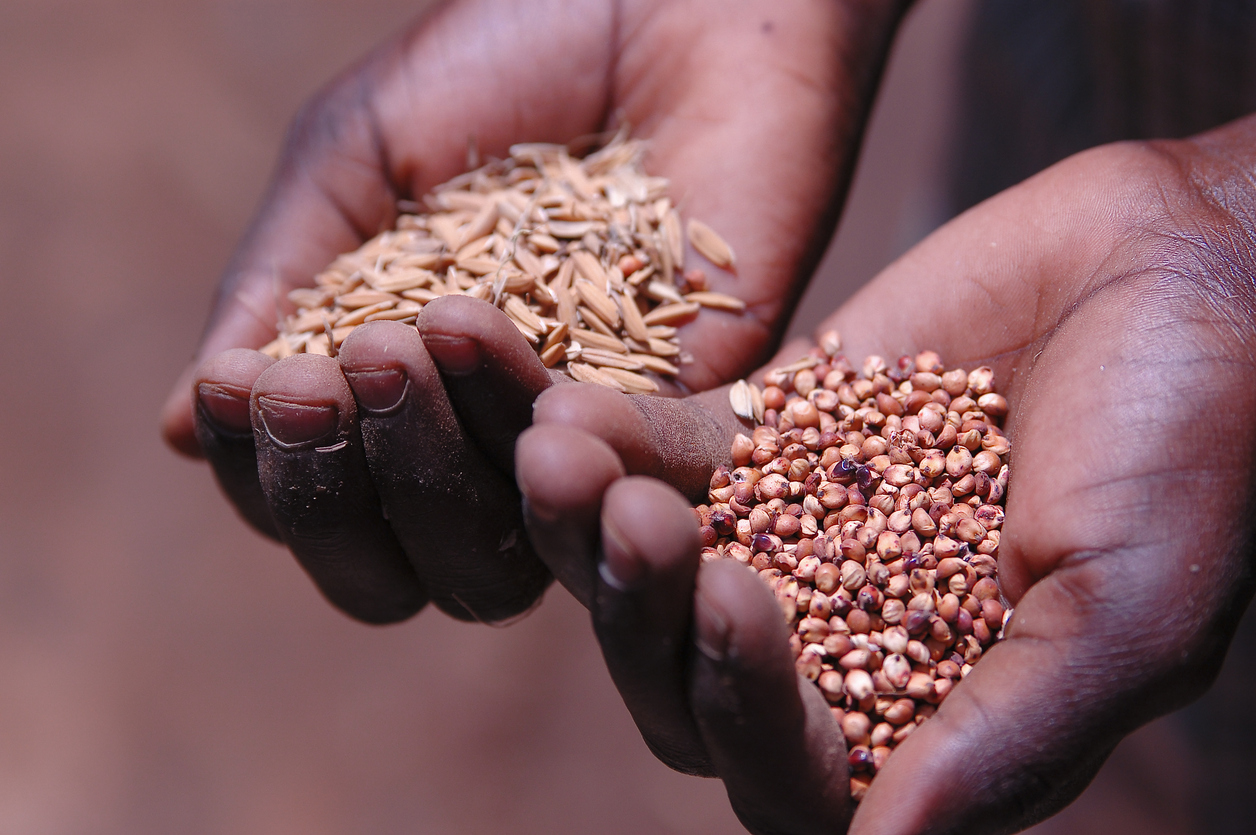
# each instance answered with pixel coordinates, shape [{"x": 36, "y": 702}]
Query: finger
[
  {"x": 642, "y": 612},
  {"x": 562, "y": 474},
  {"x": 770, "y": 733},
  {"x": 455, "y": 515},
  {"x": 492, "y": 375},
  {"x": 677, "y": 441},
  {"x": 314, "y": 474},
  {"x": 224, "y": 430}
]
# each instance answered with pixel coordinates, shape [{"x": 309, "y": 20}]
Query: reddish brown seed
[
  {"x": 945, "y": 547},
  {"x": 996, "y": 443},
  {"x": 914, "y": 402},
  {"x": 853, "y": 576},
  {"x": 948, "y": 567},
  {"x": 837, "y": 644},
  {"x": 919, "y": 686},
  {"x": 772, "y": 487},
  {"x": 892, "y": 611},
  {"x": 985, "y": 589},
  {"x": 970, "y": 531},
  {"x": 813, "y": 630},
  {"x": 915, "y": 621},
  {"x": 887, "y": 405},
  {"x": 831, "y": 685},
  {"x": 805, "y": 382},
  {"x": 897, "y": 670},
  {"x": 787, "y": 525},
  {"x": 858, "y": 685},
  {"x": 987, "y": 462},
  {"x": 856, "y": 659},
  {"x": 859, "y": 621},
  {"x": 959, "y": 462},
  {"x": 804, "y": 413},
  {"x": 981, "y": 380},
  {"x": 992, "y": 613},
  {"x": 828, "y": 577},
  {"x": 948, "y": 608},
  {"x": 964, "y": 622},
  {"x": 922, "y": 523},
  {"x": 899, "y": 585},
  {"x": 807, "y": 568},
  {"x": 888, "y": 546}
]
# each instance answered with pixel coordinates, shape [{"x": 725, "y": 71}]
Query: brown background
[{"x": 164, "y": 670}]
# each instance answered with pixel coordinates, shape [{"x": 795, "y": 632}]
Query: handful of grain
[
  {"x": 584, "y": 255},
  {"x": 870, "y": 501}
]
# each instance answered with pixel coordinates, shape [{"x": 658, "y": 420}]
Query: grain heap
[
  {"x": 871, "y": 501},
  {"x": 584, "y": 255}
]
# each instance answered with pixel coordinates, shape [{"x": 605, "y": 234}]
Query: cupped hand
[
  {"x": 754, "y": 113},
  {"x": 1113, "y": 295}
]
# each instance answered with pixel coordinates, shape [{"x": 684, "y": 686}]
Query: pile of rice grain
[{"x": 584, "y": 255}]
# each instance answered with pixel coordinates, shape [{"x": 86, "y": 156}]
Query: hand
[
  {"x": 1113, "y": 296},
  {"x": 754, "y": 114}
]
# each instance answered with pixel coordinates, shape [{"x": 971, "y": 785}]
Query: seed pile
[
  {"x": 584, "y": 255},
  {"x": 870, "y": 500}
]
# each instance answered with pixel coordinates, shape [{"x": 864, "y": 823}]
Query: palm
[
  {"x": 712, "y": 99},
  {"x": 1113, "y": 296},
  {"x": 1124, "y": 536}
]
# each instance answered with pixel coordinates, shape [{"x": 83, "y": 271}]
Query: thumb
[{"x": 679, "y": 441}]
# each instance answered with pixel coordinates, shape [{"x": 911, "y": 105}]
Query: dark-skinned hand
[
  {"x": 1114, "y": 296},
  {"x": 388, "y": 470}
]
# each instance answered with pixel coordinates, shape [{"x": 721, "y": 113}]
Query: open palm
[
  {"x": 388, "y": 473},
  {"x": 1113, "y": 296}
]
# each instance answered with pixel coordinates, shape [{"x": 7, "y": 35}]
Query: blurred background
[{"x": 164, "y": 670}]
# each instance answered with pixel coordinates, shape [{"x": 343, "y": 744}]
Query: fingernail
[
  {"x": 619, "y": 567},
  {"x": 380, "y": 391},
  {"x": 456, "y": 355},
  {"x": 225, "y": 409},
  {"x": 296, "y": 424},
  {"x": 710, "y": 628}
]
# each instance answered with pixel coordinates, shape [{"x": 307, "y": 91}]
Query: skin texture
[
  {"x": 1113, "y": 296},
  {"x": 708, "y": 83}
]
